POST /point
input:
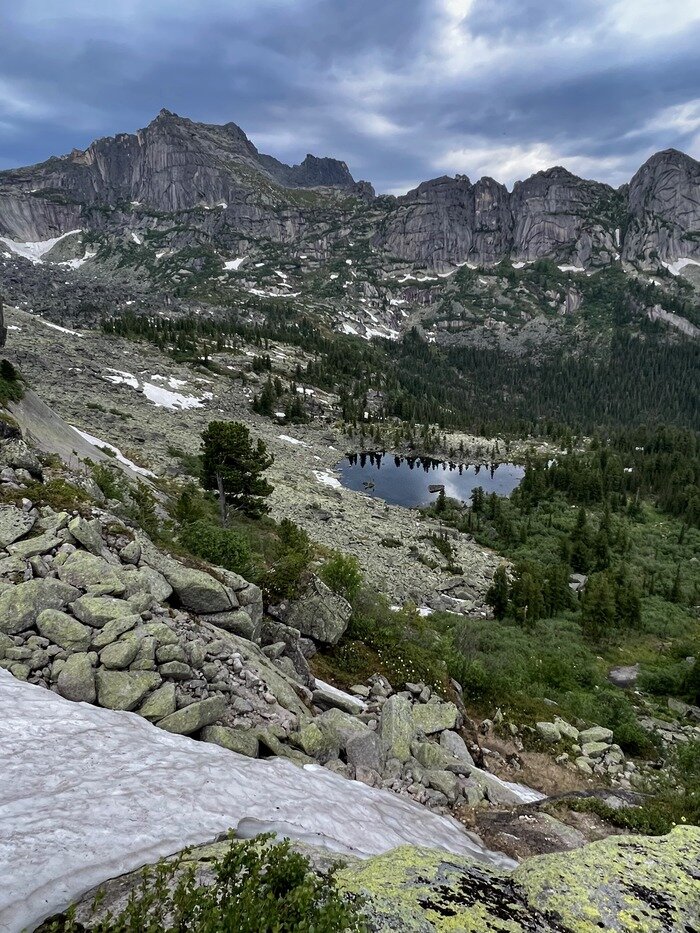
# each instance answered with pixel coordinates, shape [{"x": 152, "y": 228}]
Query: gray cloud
[{"x": 401, "y": 89}]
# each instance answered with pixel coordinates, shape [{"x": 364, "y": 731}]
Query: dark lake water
[{"x": 404, "y": 481}]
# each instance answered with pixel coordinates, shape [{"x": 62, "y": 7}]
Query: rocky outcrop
[
  {"x": 449, "y": 220},
  {"x": 557, "y": 215},
  {"x": 623, "y": 884},
  {"x": 552, "y": 215},
  {"x": 172, "y": 165},
  {"x": 664, "y": 210}
]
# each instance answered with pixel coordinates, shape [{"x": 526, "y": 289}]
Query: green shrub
[
  {"x": 293, "y": 553},
  {"x": 611, "y": 708},
  {"x": 57, "y": 493},
  {"x": 341, "y": 572},
  {"x": 110, "y": 480},
  {"x": 140, "y": 507},
  {"x": 400, "y": 644},
  {"x": 11, "y": 386},
  {"x": 651, "y": 818},
  {"x": 193, "y": 505},
  {"x": 665, "y": 681},
  {"x": 257, "y": 888},
  {"x": 218, "y": 545}
]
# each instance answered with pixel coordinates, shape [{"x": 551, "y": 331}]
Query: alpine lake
[{"x": 417, "y": 481}]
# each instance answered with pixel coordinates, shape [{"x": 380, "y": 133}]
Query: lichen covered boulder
[
  {"x": 626, "y": 884},
  {"x": 434, "y": 716},
  {"x": 320, "y": 613},
  {"x": 21, "y": 605},
  {"x": 622, "y": 883}
]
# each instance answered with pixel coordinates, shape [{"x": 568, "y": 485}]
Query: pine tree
[
  {"x": 233, "y": 465},
  {"x": 497, "y": 593},
  {"x": 598, "y": 606}
]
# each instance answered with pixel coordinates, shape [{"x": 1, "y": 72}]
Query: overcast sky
[{"x": 402, "y": 90}]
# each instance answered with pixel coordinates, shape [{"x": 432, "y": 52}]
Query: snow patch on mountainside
[
  {"x": 89, "y": 794},
  {"x": 160, "y": 396},
  {"x": 36, "y": 250},
  {"x": 676, "y": 267},
  {"x": 96, "y": 442},
  {"x": 164, "y": 398}
]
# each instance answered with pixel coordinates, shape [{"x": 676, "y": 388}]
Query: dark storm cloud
[{"x": 401, "y": 89}]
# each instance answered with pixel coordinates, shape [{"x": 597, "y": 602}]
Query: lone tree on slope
[{"x": 233, "y": 465}]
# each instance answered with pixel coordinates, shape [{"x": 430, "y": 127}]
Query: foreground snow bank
[{"x": 88, "y": 794}]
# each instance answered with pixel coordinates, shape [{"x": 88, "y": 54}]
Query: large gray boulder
[
  {"x": 120, "y": 654},
  {"x": 88, "y": 533},
  {"x": 342, "y": 727},
  {"x": 454, "y": 745},
  {"x": 195, "y": 716},
  {"x": 320, "y": 613},
  {"x": 365, "y": 751},
  {"x": 396, "y": 727},
  {"x": 242, "y": 741},
  {"x": 434, "y": 716},
  {"x": 114, "y": 630},
  {"x": 124, "y": 690},
  {"x": 237, "y": 621},
  {"x": 161, "y": 703},
  {"x": 93, "y": 573},
  {"x": 196, "y": 590},
  {"x": 64, "y": 630},
  {"x": 97, "y": 611},
  {"x": 76, "y": 680},
  {"x": 32, "y": 547},
  {"x": 595, "y": 734},
  {"x": 21, "y": 605},
  {"x": 16, "y": 454},
  {"x": 14, "y": 524}
]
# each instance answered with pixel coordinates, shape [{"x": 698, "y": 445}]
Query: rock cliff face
[
  {"x": 449, "y": 220},
  {"x": 559, "y": 216},
  {"x": 552, "y": 215},
  {"x": 212, "y": 180},
  {"x": 664, "y": 209}
]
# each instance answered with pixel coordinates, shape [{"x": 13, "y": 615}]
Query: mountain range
[
  {"x": 178, "y": 167},
  {"x": 190, "y": 216}
]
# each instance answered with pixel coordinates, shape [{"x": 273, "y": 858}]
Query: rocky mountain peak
[{"x": 664, "y": 207}]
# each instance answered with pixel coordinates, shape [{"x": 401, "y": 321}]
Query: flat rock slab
[
  {"x": 103, "y": 792},
  {"x": 14, "y": 524}
]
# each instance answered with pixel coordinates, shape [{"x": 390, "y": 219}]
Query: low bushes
[{"x": 258, "y": 888}]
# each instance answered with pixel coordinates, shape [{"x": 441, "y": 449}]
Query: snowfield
[
  {"x": 160, "y": 396},
  {"x": 675, "y": 268},
  {"x": 35, "y": 251},
  {"x": 164, "y": 398},
  {"x": 88, "y": 794},
  {"x": 96, "y": 442}
]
